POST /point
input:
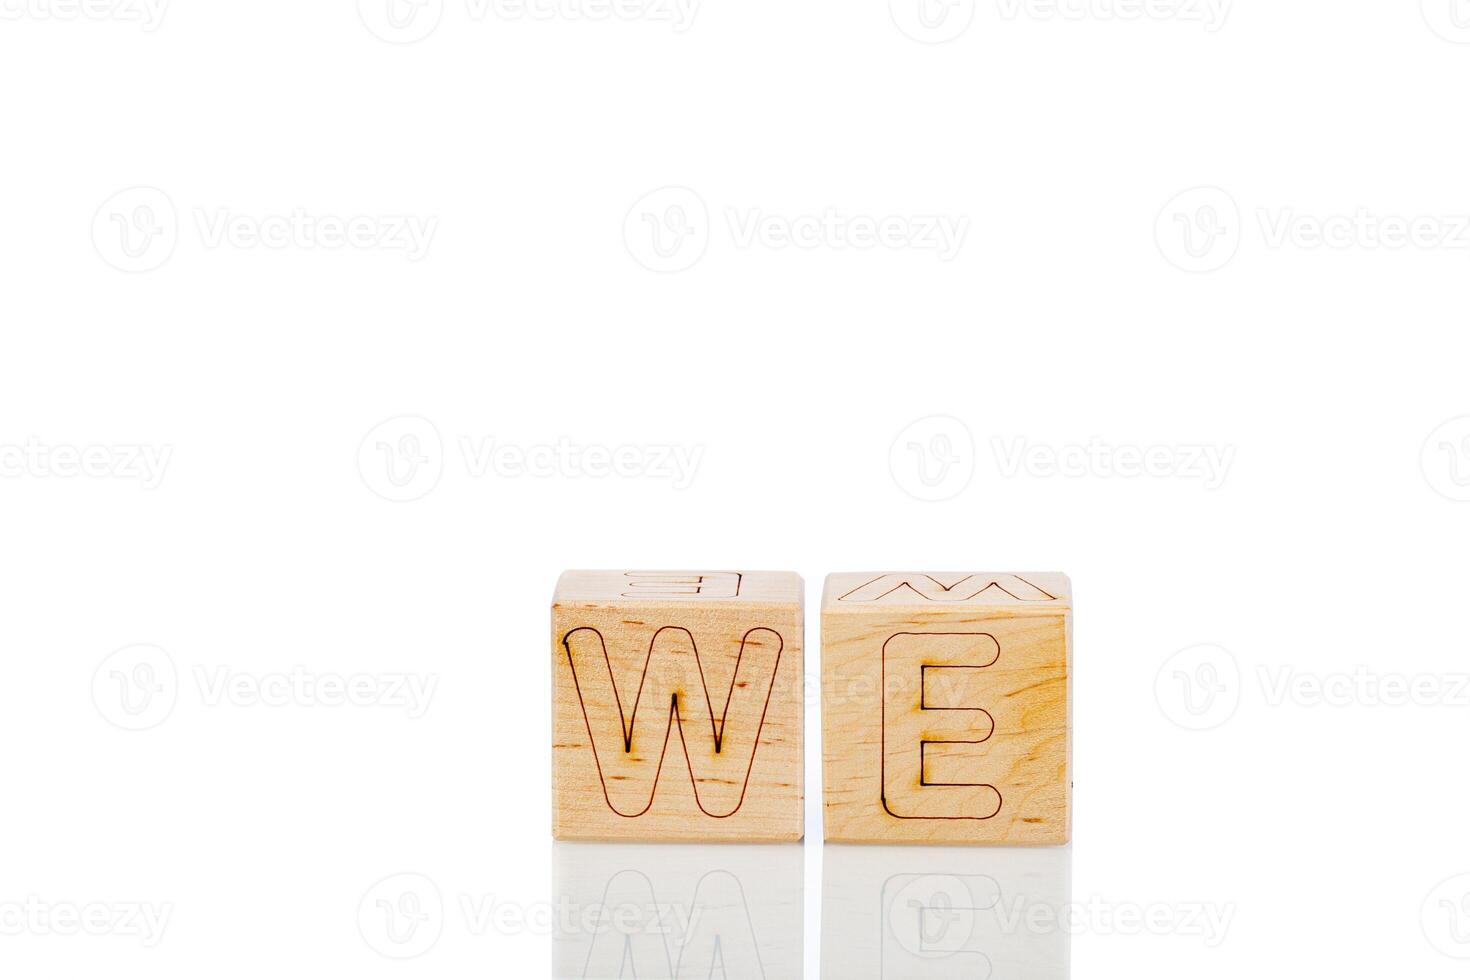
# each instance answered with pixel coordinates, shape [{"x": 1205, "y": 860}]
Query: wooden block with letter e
[
  {"x": 946, "y": 707},
  {"x": 677, "y": 706}
]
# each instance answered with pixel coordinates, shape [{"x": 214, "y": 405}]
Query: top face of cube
[
  {"x": 646, "y": 588},
  {"x": 979, "y": 591}
]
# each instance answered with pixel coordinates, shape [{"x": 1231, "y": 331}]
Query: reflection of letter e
[{"x": 935, "y": 728}]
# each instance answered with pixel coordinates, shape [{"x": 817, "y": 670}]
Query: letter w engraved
[
  {"x": 966, "y": 587},
  {"x": 629, "y": 740}
]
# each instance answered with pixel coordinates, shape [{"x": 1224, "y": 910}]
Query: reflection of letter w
[{"x": 630, "y": 738}]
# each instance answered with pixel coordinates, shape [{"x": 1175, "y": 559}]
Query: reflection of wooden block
[
  {"x": 946, "y": 707},
  {"x": 937, "y": 912},
  {"x": 678, "y": 910},
  {"x": 677, "y": 706}
]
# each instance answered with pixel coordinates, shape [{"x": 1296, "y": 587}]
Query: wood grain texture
[
  {"x": 946, "y": 707},
  {"x": 677, "y": 706}
]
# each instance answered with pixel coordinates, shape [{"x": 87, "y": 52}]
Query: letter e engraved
[
  {"x": 675, "y": 585},
  {"x": 719, "y": 725},
  {"x": 934, "y": 730}
]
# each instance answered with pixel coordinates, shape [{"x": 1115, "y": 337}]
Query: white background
[{"x": 1095, "y": 300}]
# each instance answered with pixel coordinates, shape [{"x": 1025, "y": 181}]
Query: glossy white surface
[{"x": 1170, "y": 296}]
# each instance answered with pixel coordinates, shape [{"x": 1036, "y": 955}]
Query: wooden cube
[
  {"x": 946, "y": 707},
  {"x": 677, "y": 706}
]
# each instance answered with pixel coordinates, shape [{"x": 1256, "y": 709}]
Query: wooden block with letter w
[
  {"x": 946, "y": 707},
  {"x": 677, "y": 706}
]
